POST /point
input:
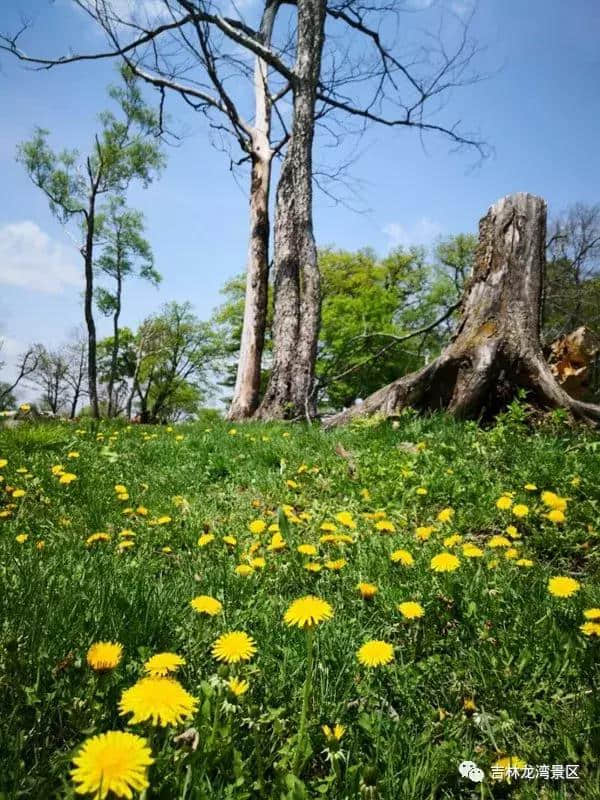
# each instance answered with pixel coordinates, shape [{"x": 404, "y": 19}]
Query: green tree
[
  {"x": 125, "y": 253},
  {"x": 125, "y": 148}
]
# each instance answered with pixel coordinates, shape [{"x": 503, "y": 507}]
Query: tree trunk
[
  {"x": 247, "y": 384},
  {"x": 88, "y": 308},
  {"x": 115, "y": 348},
  {"x": 496, "y": 349},
  {"x": 297, "y": 294}
]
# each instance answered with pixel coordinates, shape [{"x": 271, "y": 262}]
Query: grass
[{"x": 491, "y": 632}]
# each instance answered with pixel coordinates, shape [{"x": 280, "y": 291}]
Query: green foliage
[{"x": 491, "y": 631}]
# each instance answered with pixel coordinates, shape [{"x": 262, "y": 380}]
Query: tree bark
[
  {"x": 496, "y": 349},
  {"x": 115, "y": 348},
  {"x": 297, "y": 294},
  {"x": 247, "y": 384},
  {"x": 88, "y": 307}
]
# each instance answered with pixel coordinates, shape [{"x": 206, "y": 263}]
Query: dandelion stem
[{"x": 305, "y": 700}]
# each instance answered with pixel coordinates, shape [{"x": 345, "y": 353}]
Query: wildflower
[
  {"x": 411, "y": 610},
  {"x": 257, "y": 526},
  {"x": 231, "y": 541},
  {"x": 552, "y": 500},
  {"x": 162, "y": 701},
  {"x": 205, "y": 604},
  {"x": 469, "y": 706},
  {"x": 520, "y": 510},
  {"x": 592, "y": 613},
  {"x": 3, "y": 462},
  {"x": 25, "y": 408},
  {"x": 471, "y": 550},
  {"x": 337, "y": 565},
  {"x": 162, "y": 664},
  {"x": 291, "y": 484},
  {"x": 164, "y": 520},
  {"x": 505, "y": 765},
  {"x": 575, "y": 481},
  {"x": 504, "y": 502},
  {"x": 367, "y": 590},
  {"x": 307, "y": 549},
  {"x": 444, "y": 562},
  {"x": 237, "y": 687},
  {"x": 345, "y": 518},
  {"x": 445, "y": 515},
  {"x": 233, "y": 647},
  {"x": 67, "y": 478},
  {"x": 385, "y": 526},
  {"x": 524, "y": 562},
  {"x": 142, "y": 511},
  {"x": 114, "y": 762},
  {"x": 104, "y": 655},
  {"x": 530, "y": 487},
  {"x": 277, "y": 542},
  {"x": 167, "y": 549},
  {"x": 120, "y": 489},
  {"x": 306, "y": 612},
  {"x": 126, "y": 544},
  {"x": 590, "y": 628},
  {"x": 423, "y": 532},
  {"x": 19, "y": 493},
  {"x": 334, "y": 732},
  {"x": 402, "y": 557},
  {"x": 21, "y": 538},
  {"x": 365, "y": 494},
  {"x": 244, "y": 570},
  {"x": 555, "y": 515},
  {"x": 498, "y": 541},
  {"x": 57, "y": 469},
  {"x": 561, "y": 586},
  {"x": 422, "y": 491},
  {"x": 97, "y": 537},
  {"x": 328, "y": 526},
  {"x": 40, "y": 544},
  {"x": 375, "y": 653},
  {"x": 450, "y": 541},
  {"x": 205, "y": 539},
  {"x": 258, "y": 563},
  {"x": 312, "y": 566},
  {"x": 513, "y": 532}
]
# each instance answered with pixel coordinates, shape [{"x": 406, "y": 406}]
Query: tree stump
[{"x": 496, "y": 349}]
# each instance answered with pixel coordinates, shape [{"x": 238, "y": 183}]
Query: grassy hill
[{"x": 497, "y": 666}]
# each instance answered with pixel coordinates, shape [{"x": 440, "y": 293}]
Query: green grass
[{"x": 492, "y": 633}]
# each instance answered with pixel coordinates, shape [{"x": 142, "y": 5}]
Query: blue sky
[{"x": 539, "y": 110}]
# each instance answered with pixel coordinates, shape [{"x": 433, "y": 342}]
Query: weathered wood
[{"x": 496, "y": 349}]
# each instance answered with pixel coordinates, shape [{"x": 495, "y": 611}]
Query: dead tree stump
[{"x": 496, "y": 349}]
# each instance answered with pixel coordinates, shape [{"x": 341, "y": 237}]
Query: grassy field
[{"x": 497, "y": 667}]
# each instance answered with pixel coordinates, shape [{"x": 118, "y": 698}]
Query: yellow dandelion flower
[
  {"x": 504, "y": 502},
  {"x": 114, "y": 762},
  {"x": 552, "y": 500},
  {"x": 367, "y": 590},
  {"x": 504, "y": 765},
  {"x": 411, "y": 609},
  {"x": 19, "y": 493},
  {"x": 162, "y": 664},
  {"x": 205, "y": 604},
  {"x": 423, "y": 532},
  {"x": 40, "y": 544},
  {"x": 237, "y": 687},
  {"x": 499, "y": 541},
  {"x": 233, "y": 647},
  {"x": 445, "y": 515},
  {"x": 452, "y": 540},
  {"x": 21, "y": 538},
  {"x": 3, "y": 462},
  {"x": 258, "y": 562},
  {"x": 530, "y": 487},
  {"x": 307, "y": 612},
  {"x": 205, "y": 539},
  {"x": 524, "y": 562},
  {"x": 422, "y": 491},
  {"x": 231, "y": 541},
  {"x": 125, "y": 544},
  {"x": 244, "y": 570},
  {"x": 337, "y": 565},
  {"x": 376, "y": 653},
  {"x": 444, "y": 562},
  {"x": 312, "y": 566},
  {"x": 97, "y": 537},
  {"x": 67, "y": 477},
  {"x": 334, "y": 732},
  {"x": 556, "y": 515},
  {"x": 257, "y": 526},
  {"x": 513, "y": 532},
  {"x": 328, "y": 526},
  {"x": 162, "y": 701},
  {"x": 365, "y": 494},
  {"x": 104, "y": 655},
  {"x": 345, "y": 518},
  {"x": 385, "y": 526},
  {"x": 590, "y": 628},
  {"x": 402, "y": 557},
  {"x": 520, "y": 510},
  {"x": 561, "y": 586},
  {"x": 307, "y": 549},
  {"x": 592, "y": 613},
  {"x": 142, "y": 511},
  {"x": 277, "y": 542},
  {"x": 164, "y": 520},
  {"x": 291, "y": 484}
]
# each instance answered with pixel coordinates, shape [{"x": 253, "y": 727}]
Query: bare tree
[
  {"x": 26, "y": 365},
  {"x": 340, "y": 64},
  {"x": 76, "y": 356},
  {"x": 50, "y": 376}
]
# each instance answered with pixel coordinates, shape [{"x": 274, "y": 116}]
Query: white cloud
[
  {"x": 424, "y": 231},
  {"x": 30, "y": 259}
]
